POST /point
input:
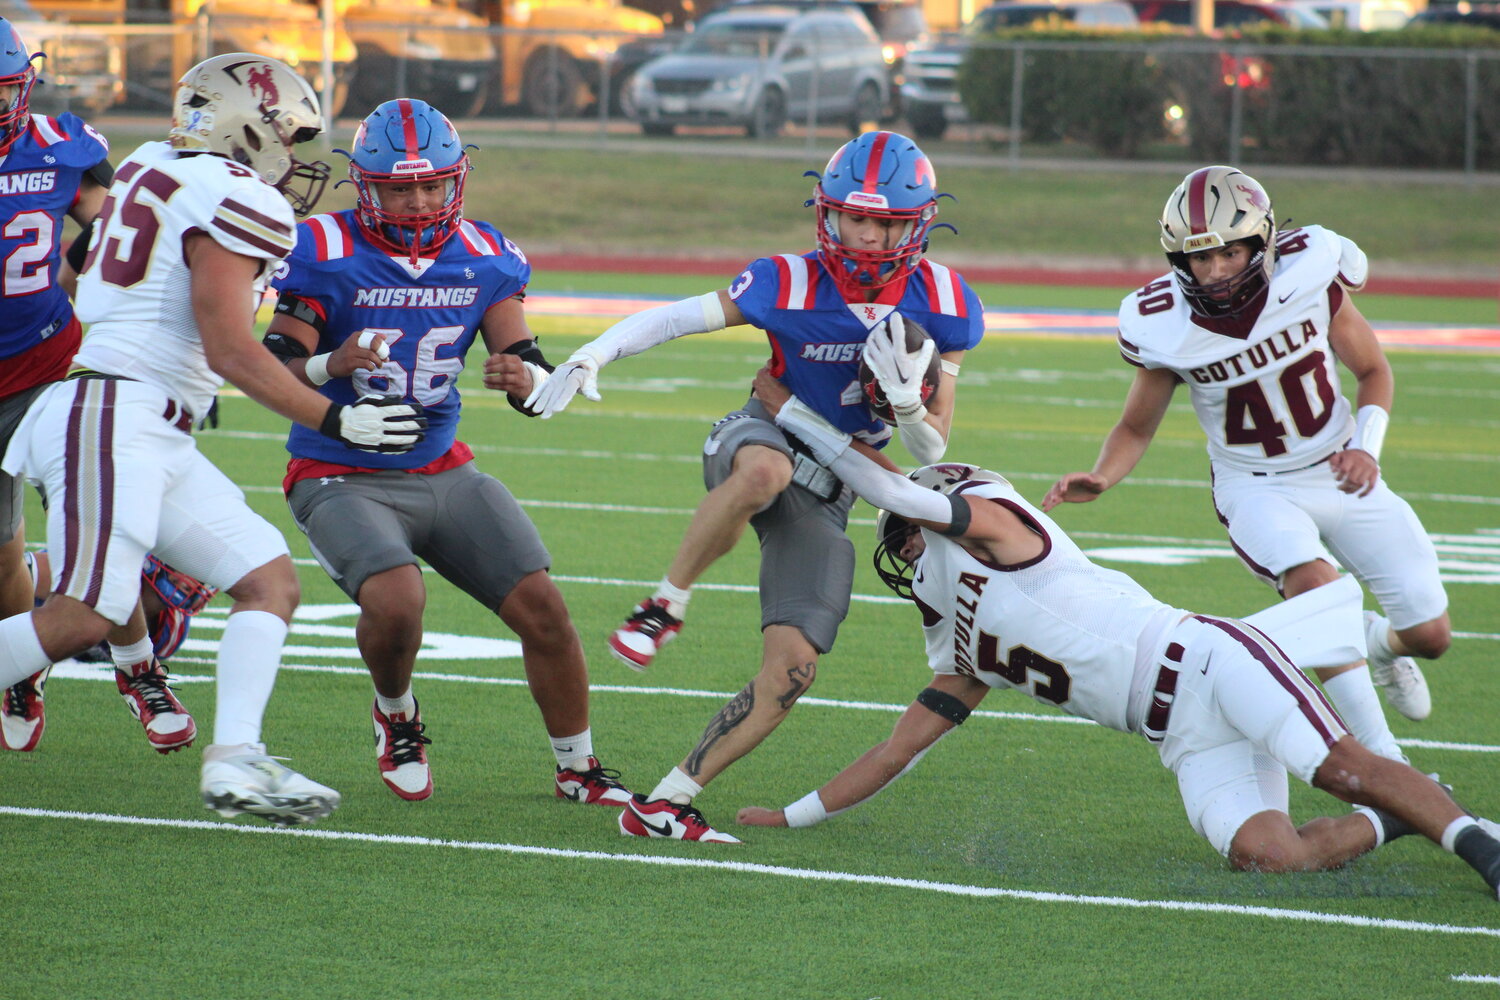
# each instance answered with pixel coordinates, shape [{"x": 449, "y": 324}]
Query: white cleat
[
  {"x": 244, "y": 779},
  {"x": 1400, "y": 678}
]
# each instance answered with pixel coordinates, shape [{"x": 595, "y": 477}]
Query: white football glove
[
  {"x": 386, "y": 424},
  {"x": 580, "y": 373},
  {"x": 898, "y": 371}
]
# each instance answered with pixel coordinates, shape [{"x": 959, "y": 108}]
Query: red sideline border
[{"x": 728, "y": 267}]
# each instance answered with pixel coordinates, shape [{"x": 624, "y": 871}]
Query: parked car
[
  {"x": 1472, "y": 15},
  {"x": 1360, "y": 15},
  {"x": 760, "y": 66},
  {"x": 1229, "y": 14},
  {"x": 419, "y": 48},
  {"x": 83, "y": 70},
  {"x": 930, "y": 98},
  {"x": 901, "y": 26}
]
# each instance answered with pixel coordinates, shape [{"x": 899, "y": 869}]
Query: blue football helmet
[
  {"x": 15, "y": 71},
  {"x": 405, "y": 141},
  {"x": 879, "y": 174}
]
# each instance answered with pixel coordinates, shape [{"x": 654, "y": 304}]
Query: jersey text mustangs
[
  {"x": 816, "y": 336},
  {"x": 1264, "y": 386}
]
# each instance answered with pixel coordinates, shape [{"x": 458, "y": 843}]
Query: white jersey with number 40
[
  {"x": 135, "y": 289},
  {"x": 1265, "y": 385}
]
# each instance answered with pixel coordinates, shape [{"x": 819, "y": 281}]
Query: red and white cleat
[
  {"x": 400, "y": 752},
  {"x": 646, "y": 631},
  {"x": 666, "y": 819},
  {"x": 22, "y": 715},
  {"x": 144, "y": 687},
  {"x": 595, "y": 786}
]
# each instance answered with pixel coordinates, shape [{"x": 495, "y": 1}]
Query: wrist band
[
  {"x": 1369, "y": 429},
  {"x": 806, "y": 811},
  {"x": 317, "y": 369}
]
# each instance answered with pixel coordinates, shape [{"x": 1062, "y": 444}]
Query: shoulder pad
[
  {"x": 254, "y": 220},
  {"x": 325, "y": 237},
  {"x": 1354, "y": 266},
  {"x": 945, "y": 293}
]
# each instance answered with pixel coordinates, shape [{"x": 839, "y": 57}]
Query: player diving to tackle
[{"x": 1009, "y": 601}]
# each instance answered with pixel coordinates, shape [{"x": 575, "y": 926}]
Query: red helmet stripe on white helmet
[
  {"x": 872, "y": 165},
  {"x": 1197, "y": 209}
]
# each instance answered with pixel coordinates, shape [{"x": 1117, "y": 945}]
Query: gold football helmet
[
  {"x": 1214, "y": 207},
  {"x": 252, "y": 110}
]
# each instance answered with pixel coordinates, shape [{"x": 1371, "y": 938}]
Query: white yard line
[{"x": 780, "y": 871}]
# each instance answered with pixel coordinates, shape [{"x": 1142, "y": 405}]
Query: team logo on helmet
[{"x": 261, "y": 79}]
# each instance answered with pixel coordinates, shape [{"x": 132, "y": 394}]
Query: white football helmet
[
  {"x": 252, "y": 110},
  {"x": 892, "y": 530},
  {"x": 1214, "y": 207}
]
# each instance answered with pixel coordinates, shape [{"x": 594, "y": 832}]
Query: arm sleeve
[{"x": 650, "y": 327}]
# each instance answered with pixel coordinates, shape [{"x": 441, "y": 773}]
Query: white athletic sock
[
  {"x": 677, "y": 787},
  {"x": 573, "y": 751},
  {"x": 21, "y": 653},
  {"x": 1450, "y": 834},
  {"x": 1354, "y": 696},
  {"x": 125, "y": 657},
  {"x": 249, "y": 656},
  {"x": 676, "y": 597},
  {"x": 404, "y": 704},
  {"x": 1378, "y": 638}
]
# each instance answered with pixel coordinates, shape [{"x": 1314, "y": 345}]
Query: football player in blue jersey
[
  {"x": 876, "y": 202},
  {"x": 387, "y": 299},
  {"x": 53, "y": 168}
]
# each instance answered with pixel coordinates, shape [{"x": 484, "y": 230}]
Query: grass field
[{"x": 1027, "y": 856}]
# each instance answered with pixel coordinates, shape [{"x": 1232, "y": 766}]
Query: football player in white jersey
[
  {"x": 181, "y": 253},
  {"x": 1009, "y": 601},
  {"x": 1255, "y": 323},
  {"x": 51, "y": 169}
]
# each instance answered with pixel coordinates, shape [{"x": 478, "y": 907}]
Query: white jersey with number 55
[
  {"x": 135, "y": 289},
  {"x": 1264, "y": 384}
]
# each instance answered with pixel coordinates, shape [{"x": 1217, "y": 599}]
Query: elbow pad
[{"x": 78, "y": 250}]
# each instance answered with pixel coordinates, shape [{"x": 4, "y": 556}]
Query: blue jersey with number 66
[{"x": 429, "y": 315}]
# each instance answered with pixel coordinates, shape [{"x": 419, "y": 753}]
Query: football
[{"x": 870, "y": 385}]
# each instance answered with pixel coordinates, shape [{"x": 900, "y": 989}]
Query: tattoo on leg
[
  {"x": 799, "y": 679},
  {"x": 730, "y": 716}
]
